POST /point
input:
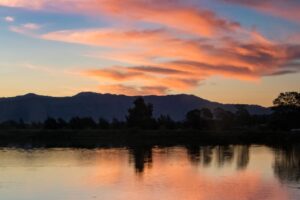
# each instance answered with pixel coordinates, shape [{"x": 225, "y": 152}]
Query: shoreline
[{"x": 130, "y": 137}]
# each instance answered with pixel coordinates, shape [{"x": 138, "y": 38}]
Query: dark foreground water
[{"x": 151, "y": 173}]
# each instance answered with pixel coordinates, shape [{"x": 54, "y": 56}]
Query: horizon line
[{"x": 112, "y": 94}]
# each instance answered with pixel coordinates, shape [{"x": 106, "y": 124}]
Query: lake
[{"x": 147, "y": 173}]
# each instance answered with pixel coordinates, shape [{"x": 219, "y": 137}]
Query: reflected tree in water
[
  {"x": 207, "y": 155},
  {"x": 242, "y": 156},
  {"x": 141, "y": 156},
  {"x": 221, "y": 154},
  {"x": 287, "y": 164},
  {"x": 200, "y": 154},
  {"x": 224, "y": 154},
  {"x": 194, "y": 153}
]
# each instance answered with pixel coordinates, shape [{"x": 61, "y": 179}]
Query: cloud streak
[
  {"x": 9, "y": 19},
  {"x": 26, "y": 29},
  {"x": 185, "y": 45},
  {"x": 173, "y": 14},
  {"x": 158, "y": 58}
]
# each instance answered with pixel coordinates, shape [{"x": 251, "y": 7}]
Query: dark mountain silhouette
[{"x": 32, "y": 107}]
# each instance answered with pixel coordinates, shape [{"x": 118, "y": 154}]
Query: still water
[{"x": 148, "y": 173}]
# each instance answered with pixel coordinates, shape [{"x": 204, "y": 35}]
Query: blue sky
[{"x": 222, "y": 50}]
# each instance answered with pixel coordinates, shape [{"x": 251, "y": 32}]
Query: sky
[{"x": 230, "y": 51}]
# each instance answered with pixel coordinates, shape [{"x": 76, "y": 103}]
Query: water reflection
[
  {"x": 191, "y": 172},
  {"x": 242, "y": 156},
  {"x": 287, "y": 163},
  {"x": 223, "y": 155},
  {"x": 207, "y": 155},
  {"x": 194, "y": 153},
  {"x": 141, "y": 156}
]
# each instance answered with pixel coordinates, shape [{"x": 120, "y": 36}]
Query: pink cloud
[
  {"x": 190, "y": 45},
  {"x": 9, "y": 19},
  {"x": 172, "y": 14},
  {"x": 133, "y": 90},
  {"x": 181, "y": 64},
  {"x": 33, "y": 4},
  {"x": 107, "y": 37},
  {"x": 31, "y": 26},
  {"x": 26, "y": 29}
]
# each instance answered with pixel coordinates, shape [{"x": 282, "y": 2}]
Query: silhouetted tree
[
  {"x": 287, "y": 99},
  {"x": 224, "y": 119},
  {"x": 140, "y": 115},
  {"x": 50, "y": 123},
  {"x": 82, "y": 123},
  {"x": 206, "y": 113},
  {"x": 117, "y": 124},
  {"x": 193, "y": 119},
  {"x": 260, "y": 122},
  {"x": 285, "y": 116},
  {"x": 36, "y": 125},
  {"x": 62, "y": 123},
  {"x": 103, "y": 124},
  {"x": 166, "y": 122},
  {"x": 10, "y": 124},
  {"x": 21, "y": 124},
  {"x": 207, "y": 118},
  {"x": 286, "y": 111},
  {"x": 242, "y": 116}
]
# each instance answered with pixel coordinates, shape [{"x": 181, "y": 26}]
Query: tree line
[{"x": 285, "y": 116}]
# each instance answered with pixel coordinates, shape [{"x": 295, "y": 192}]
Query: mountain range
[{"x": 34, "y": 108}]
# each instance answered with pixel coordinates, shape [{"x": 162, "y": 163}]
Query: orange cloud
[
  {"x": 108, "y": 37},
  {"x": 173, "y": 14},
  {"x": 114, "y": 73},
  {"x": 133, "y": 90},
  {"x": 163, "y": 60},
  {"x": 124, "y": 80},
  {"x": 182, "y": 64}
]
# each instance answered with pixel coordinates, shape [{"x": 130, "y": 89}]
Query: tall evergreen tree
[{"x": 141, "y": 115}]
